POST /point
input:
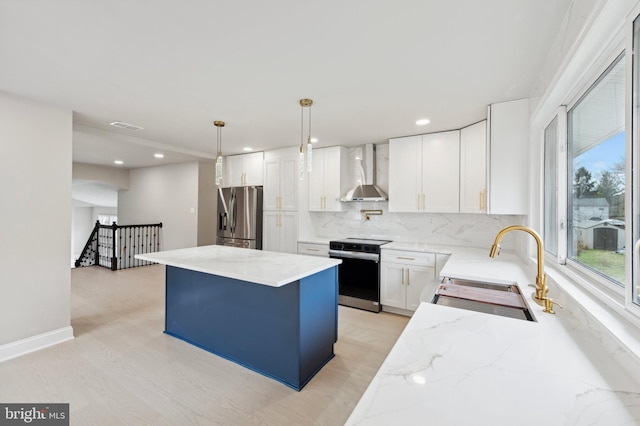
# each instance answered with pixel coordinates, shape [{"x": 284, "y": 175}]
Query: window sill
[{"x": 605, "y": 317}]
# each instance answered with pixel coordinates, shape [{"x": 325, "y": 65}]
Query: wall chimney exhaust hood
[{"x": 366, "y": 189}]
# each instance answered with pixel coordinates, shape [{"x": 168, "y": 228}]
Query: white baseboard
[
  {"x": 35, "y": 343},
  {"x": 399, "y": 311}
]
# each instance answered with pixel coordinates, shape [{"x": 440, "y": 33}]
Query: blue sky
[{"x": 602, "y": 157}]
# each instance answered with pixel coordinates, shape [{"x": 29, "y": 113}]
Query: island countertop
[
  {"x": 257, "y": 266},
  {"x": 451, "y": 366}
]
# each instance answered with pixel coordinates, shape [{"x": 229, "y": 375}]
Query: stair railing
[{"x": 115, "y": 246}]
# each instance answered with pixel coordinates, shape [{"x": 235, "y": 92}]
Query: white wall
[
  {"x": 117, "y": 177},
  {"x": 35, "y": 184},
  {"x": 167, "y": 194},
  {"x": 82, "y": 224}
]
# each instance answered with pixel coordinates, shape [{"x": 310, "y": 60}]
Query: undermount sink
[
  {"x": 483, "y": 296},
  {"x": 482, "y": 284}
]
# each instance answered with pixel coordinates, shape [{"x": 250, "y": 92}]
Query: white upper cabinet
[
  {"x": 405, "y": 174},
  {"x": 327, "y": 179},
  {"x": 244, "y": 170},
  {"x": 509, "y": 152},
  {"x": 473, "y": 168},
  {"x": 424, "y": 173},
  {"x": 280, "y": 190},
  {"x": 441, "y": 172}
]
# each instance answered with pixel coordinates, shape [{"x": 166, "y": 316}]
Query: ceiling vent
[{"x": 126, "y": 126}]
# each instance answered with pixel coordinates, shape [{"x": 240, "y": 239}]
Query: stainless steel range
[{"x": 359, "y": 273}]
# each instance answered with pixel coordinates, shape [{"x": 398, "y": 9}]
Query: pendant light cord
[{"x": 309, "y": 138}]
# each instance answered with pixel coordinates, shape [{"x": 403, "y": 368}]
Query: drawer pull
[
  {"x": 406, "y": 258},
  {"x": 313, "y": 249}
]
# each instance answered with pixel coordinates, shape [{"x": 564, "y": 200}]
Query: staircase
[{"x": 115, "y": 246}]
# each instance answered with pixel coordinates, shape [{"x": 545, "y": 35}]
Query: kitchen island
[{"x": 274, "y": 313}]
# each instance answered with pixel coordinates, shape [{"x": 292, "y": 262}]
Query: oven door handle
[{"x": 354, "y": 255}]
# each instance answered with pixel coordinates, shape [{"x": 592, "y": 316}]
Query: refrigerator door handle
[{"x": 232, "y": 211}]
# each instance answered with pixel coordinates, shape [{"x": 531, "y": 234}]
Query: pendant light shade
[
  {"x": 219, "y": 171},
  {"x": 305, "y": 103}
]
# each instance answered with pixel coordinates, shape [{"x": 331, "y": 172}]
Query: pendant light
[
  {"x": 219, "y": 125},
  {"x": 305, "y": 103}
]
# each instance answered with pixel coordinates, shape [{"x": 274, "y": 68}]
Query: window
[
  {"x": 596, "y": 232},
  {"x": 107, "y": 219},
  {"x": 591, "y": 219},
  {"x": 634, "y": 164}
]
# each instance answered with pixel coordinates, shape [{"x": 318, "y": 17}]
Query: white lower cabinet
[
  {"x": 404, "y": 274},
  {"x": 280, "y": 231},
  {"x": 313, "y": 249}
]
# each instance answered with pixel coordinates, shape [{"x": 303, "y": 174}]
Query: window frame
[
  {"x": 632, "y": 161},
  {"x": 561, "y": 189},
  {"x": 602, "y": 283},
  {"x": 620, "y": 298}
]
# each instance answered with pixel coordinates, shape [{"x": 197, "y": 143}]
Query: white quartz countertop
[
  {"x": 257, "y": 266},
  {"x": 456, "y": 367}
]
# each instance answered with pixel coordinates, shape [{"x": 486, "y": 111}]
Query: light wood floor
[{"x": 122, "y": 369}]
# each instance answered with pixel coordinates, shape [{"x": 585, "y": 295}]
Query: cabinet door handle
[
  {"x": 408, "y": 279},
  {"x": 402, "y": 276},
  {"x": 424, "y": 207},
  {"x": 418, "y": 202},
  {"x": 483, "y": 200},
  {"x": 405, "y": 258}
]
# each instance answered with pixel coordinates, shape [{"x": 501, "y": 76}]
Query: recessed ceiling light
[
  {"x": 314, "y": 140},
  {"x": 247, "y": 148},
  {"x": 126, "y": 126},
  {"x": 118, "y": 162},
  {"x": 422, "y": 122},
  {"x": 158, "y": 155}
]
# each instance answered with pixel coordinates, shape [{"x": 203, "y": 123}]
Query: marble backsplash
[{"x": 469, "y": 230}]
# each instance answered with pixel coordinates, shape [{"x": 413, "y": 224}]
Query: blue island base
[{"x": 285, "y": 333}]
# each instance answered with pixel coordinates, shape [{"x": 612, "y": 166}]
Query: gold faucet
[{"x": 540, "y": 296}]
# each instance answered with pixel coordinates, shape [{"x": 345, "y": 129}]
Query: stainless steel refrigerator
[{"x": 240, "y": 217}]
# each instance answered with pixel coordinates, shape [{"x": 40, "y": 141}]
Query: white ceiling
[{"x": 372, "y": 68}]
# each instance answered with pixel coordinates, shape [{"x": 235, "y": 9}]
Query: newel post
[
  {"x": 96, "y": 258},
  {"x": 114, "y": 258}
]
